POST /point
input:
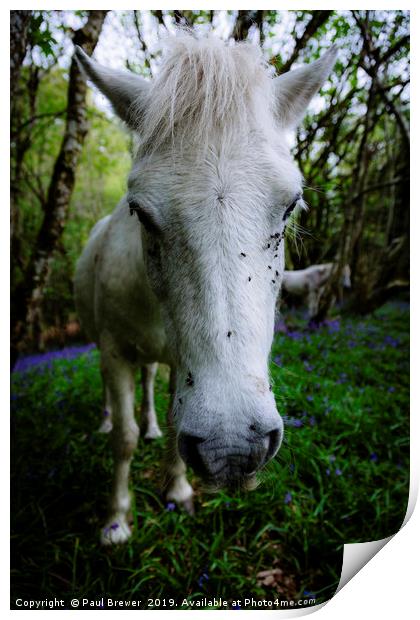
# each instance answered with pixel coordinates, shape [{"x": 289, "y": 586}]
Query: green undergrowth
[{"x": 341, "y": 476}]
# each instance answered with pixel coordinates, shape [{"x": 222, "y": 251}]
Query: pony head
[{"x": 213, "y": 184}]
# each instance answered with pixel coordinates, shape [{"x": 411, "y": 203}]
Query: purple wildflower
[
  {"x": 41, "y": 361},
  {"x": 280, "y": 327},
  {"x": 392, "y": 342},
  {"x": 309, "y": 398},
  {"x": 391, "y": 389},
  {"x": 297, "y": 423},
  {"x": 338, "y": 471},
  {"x": 328, "y": 471},
  {"x": 115, "y": 526},
  {"x": 373, "y": 457},
  {"x": 288, "y": 498},
  {"x": 312, "y": 420},
  {"x": 170, "y": 506},
  {"x": 333, "y": 326},
  {"x": 295, "y": 335},
  {"x": 201, "y": 579}
]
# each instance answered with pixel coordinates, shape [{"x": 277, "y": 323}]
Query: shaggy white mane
[{"x": 204, "y": 85}]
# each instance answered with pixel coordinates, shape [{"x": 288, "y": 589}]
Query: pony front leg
[
  {"x": 119, "y": 375},
  {"x": 106, "y": 424},
  {"x": 148, "y": 420},
  {"x": 313, "y": 300},
  {"x": 176, "y": 486}
]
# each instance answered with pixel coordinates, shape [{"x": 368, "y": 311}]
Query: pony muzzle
[{"x": 223, "y": 462}]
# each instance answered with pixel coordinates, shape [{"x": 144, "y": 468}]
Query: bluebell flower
[
  {"x": 288, "y": 498},
  {"x": 170, "y": 506},
  {"x": 42, "y": 361},
  {"x": 333, "y": 326},
  {"x": 393, "y": 342},
  {"x": 338, "y": 471},
  {"x": 373, "y": 457},
  {"x": 202, "y": 578},
  {"x": 295, "y": 335}
]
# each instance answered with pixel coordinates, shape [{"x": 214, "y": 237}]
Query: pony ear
[
  {"x": 295, "y": 89},
  {"x": 122, "y": 88}
]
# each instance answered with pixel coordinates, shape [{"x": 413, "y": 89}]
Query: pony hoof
[
  {"x": 115, "y": 532},
  {"x": 105, "y": 427},
  {"x": 188, "y": 506},
  {"x": 153, "y": 432}
]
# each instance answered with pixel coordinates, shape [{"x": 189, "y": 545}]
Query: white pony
[
  {"x": 310, "y": 283},
  {"x": 192, "y": 279}
]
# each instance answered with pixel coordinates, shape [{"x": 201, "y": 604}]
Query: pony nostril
[
  {"x": 265, "y": 444},
  {"x": 189, "y": 451},
  {"x": 274, "y": 440}
]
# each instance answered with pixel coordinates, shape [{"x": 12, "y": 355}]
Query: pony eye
[
  {"x": 291, "y": 207},
  {"x": 144, "y": 217}
]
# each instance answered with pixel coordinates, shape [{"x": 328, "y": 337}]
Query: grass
[{"x": 341, "y": 476}]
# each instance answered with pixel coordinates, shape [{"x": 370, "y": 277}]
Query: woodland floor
[{"x": 341, "y": 476}]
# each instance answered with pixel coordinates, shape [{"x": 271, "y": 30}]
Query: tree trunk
[
  {"x": 244, "y": 21},
  {"x": 19, "y": 31},
  {"x": 28, "y": 299},
  {"x": 353, "y": 215}
]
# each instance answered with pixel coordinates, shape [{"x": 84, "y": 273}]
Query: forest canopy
[{"x": 70, "y": 156}]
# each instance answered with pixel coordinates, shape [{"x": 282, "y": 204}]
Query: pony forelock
[{"x": 204, "y": 85}]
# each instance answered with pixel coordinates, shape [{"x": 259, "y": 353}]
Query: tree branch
[{"x": 317, "y": 20}]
